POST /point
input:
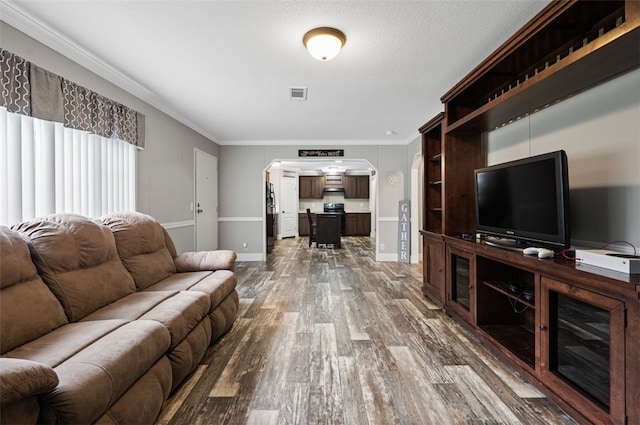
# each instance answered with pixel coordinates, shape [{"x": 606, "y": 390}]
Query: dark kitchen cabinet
[
  {"x": 356, "y": 187},
  {"x": 311, "y": 187},
  {"x": 351, "y": 225},
  {"x": 358, "y": 224},
  {"x": 334, "y": 180}
]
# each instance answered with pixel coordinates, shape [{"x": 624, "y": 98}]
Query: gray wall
[
  {"x": 600, "y": 131},
  {"x": 241, "y": 181},
  {"x": 165, "y": 166}
]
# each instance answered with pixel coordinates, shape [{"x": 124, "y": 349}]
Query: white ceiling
[{"x": 224, "y": 68}]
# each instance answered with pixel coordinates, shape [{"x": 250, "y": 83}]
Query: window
[{"x": 47, "y": 168}]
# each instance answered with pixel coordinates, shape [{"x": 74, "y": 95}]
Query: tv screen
[{"x": 525, "y": 201}]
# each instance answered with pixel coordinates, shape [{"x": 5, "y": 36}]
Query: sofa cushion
[
  {"x": 28, "y": 309},
  {"x": 217, "y": 285},
  {"x": 78, "y": 260},
  {"x": 179, "y": 312},
  {"x": 59, "y": 345},
  {"x": 96, "y": 363},
  {"x": 140, "y": 240}
]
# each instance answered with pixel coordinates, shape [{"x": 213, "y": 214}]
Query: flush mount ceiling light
[{"x": 324, "y": 43}]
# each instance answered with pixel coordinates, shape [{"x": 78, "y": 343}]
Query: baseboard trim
[
  {"x": 249, "y": 256},
  {"x": 387, "y": 257}
]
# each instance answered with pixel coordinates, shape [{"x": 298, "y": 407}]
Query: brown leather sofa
[{"x": 87, "y": 337}]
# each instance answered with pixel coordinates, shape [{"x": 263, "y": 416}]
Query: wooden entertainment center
[{"x": 571, "y": 329}]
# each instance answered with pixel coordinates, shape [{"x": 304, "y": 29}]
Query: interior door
[
  {"x": 289, "y": 205},
  {"x": 206, "y": 201}
]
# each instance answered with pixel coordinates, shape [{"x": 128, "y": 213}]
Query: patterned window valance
[{"x": 30, "y": 90}]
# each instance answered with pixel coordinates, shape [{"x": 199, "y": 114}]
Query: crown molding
[
  {"x": 320, "y": 142},
  {"x": 12, "y": 14}
]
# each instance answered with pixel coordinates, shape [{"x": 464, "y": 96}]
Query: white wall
[{"x": 600, "y": 131}]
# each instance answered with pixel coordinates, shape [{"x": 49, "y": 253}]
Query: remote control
[{"x": 541, "y": 252}]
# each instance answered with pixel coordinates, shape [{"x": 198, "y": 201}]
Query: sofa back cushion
[
  {"x": 78, "y": 260},
  {"x": 141, "y": 244},
  {"x": 28, "y": 309}
]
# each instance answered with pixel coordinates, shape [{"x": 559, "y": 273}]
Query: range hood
[{"x": 333, "y": 189}]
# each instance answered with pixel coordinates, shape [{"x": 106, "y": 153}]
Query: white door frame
[{"x": 194, "y": 206}]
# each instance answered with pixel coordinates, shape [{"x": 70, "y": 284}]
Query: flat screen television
[{"x": 525, "y": 202}]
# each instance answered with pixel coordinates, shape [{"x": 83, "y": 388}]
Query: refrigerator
[{"x": 271, "y": 215}]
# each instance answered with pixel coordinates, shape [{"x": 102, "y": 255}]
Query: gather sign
[{"x": 404, "y": 231}]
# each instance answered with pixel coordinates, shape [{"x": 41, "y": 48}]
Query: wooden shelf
[
  {"x": 517, "y": 79},
  {"x": 436, "y": 159},
  {"x": 503, "y": 288},
  {"x": 433, "y": 168},
  {"x": 548, "y": 88},
  {"x": 517, "y": 339}
]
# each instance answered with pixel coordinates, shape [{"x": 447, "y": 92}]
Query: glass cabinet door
[
  {"x": 578, "y": 330},
  {"x": 460, "y": 283}
]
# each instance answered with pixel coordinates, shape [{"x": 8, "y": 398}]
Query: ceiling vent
[{"x": 297, "y": 93}]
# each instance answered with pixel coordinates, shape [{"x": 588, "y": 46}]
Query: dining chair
[{"x": 312, "y": 228}]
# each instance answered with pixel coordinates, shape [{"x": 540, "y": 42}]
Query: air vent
[{"x": 297, "y": 93}]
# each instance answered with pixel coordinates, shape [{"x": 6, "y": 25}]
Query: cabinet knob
[
  {"x": 470, "y": 286},
  {"x": 543, "y": 328}
]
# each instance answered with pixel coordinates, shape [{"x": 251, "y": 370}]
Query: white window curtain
[{"x": 46, "y": 168}]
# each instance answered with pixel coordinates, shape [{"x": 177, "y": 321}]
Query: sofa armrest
[
  {"x": 21, "y": 379},
  {"x": 205, "y": 260}
]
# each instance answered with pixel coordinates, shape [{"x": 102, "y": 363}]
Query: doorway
[
  {"x": 289, "y": 170},
  {"x": 205, "y": 201}
]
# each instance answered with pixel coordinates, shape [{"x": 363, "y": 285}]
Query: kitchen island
[{"x": 328, "y": 229}]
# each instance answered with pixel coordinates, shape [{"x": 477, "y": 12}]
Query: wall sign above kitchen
[{"x": 320, "y": 152}]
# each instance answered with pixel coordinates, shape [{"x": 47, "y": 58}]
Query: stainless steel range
[{"x": 337, "y": 208}]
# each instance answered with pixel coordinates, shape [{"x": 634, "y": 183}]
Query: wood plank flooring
[{"x": 329, "y": 336}]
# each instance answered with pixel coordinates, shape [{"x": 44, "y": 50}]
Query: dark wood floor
[{"x": 329, "y": 336}]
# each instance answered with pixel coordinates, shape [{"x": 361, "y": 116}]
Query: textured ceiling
[{"x": 225, "y": 67}]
